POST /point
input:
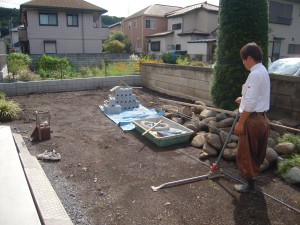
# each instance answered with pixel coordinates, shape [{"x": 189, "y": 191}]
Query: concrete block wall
[
  {"x": 50, "y": 86},
  {"x": 193, "y": 83},
  {"x": 285, "y": 96},
  {"x": 181, "y": 81}
]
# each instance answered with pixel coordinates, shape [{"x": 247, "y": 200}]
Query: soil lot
[{"x": 105, "y": 175}]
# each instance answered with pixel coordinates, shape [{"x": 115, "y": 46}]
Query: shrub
[
  {"x": 18, "y": 62},
  {"x": 114, "y": 46},
  {"x": 183, "y": 60},
  {"x": 53, "y": 67},
  {"x": 2, "y": 96},
  {"x": 9, "y": 110},
  {"x": 167, "y": 57},
  {"x": 241, "y": 22}
]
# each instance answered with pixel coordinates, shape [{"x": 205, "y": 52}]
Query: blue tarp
[{"x": 125, "y": 118}]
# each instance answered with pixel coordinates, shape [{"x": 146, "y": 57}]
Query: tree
[
  {"x": 109, "y": 20},
  {"x": 8, "y": 15},
  {"x": 240, "y": 22},
  {"x": 114, "y": 46},
  {"x": 120, "y": 37}
]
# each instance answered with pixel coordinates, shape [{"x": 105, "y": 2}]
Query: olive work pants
[{"x": 252, "y": 146}]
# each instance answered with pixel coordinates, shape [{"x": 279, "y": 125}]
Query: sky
[{"x": 120, "y": 8}]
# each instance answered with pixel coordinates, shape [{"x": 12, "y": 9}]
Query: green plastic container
[{"x": 166, "y": 140}]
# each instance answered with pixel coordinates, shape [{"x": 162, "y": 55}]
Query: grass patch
[{"x": 287, "y": 164}]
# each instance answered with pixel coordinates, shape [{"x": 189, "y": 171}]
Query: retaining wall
[
  {"x": 186, "y": 82},
  {"x": 41, "y": 87},
  {"x": 193, "y": 83}
]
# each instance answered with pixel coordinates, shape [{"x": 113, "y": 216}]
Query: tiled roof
[
  {"x": 154, "y": 10},
  {"x": 161, "y": 34},
  {"x": 62, "y": 4},
  {"x": 185, "y": 10}
]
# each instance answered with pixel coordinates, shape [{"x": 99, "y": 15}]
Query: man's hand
[
  {"x": 239, "y": 128},
  {"x": 238, "y": 100}
]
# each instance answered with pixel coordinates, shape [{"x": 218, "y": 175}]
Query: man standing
[{"x": 253, "y": 125}]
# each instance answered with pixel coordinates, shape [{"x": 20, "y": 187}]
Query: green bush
[
  {"x": 287, "y": 164},
  {"x": 18, "y": 62},
  {"x": 183, "y": 60},
  {"x": 53, "y": 67},
  {"x": 114, "y": 46},
  {"x": 167, "y": 57},
  {"x": 9, "y": 110}
]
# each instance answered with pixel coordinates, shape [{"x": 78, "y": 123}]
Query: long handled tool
[{"x": 206, "y": 176}]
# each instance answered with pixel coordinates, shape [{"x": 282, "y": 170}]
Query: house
[
  {"x": 191, "y": 29},
  {"x": 284, "y": 26},
  {"x": 116, "y": 27},
  {"x": 61, "y": 26},
  {"x": 145, "y": 22}
]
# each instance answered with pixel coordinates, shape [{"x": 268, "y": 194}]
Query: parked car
[{"x": 286, "y": 66}]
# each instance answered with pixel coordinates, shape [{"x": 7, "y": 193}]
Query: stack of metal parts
[{"x": 123, "y": 99}]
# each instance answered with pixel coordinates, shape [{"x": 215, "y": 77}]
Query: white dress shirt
[{"x": 256, "y": 90}]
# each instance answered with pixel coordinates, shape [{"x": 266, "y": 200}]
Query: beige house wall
[
  {"x": 81, "y": 39},
  {"x": 289, "y": 34},
  {"x": 137, "y": 35}
]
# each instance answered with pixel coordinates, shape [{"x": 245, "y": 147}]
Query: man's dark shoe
[{"x": 246, "y": 188}]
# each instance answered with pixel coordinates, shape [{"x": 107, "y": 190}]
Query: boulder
[
  {"x": 230, "y": 153},
  {"x": 207, "y": 113},
  {"x": 178, "y": 120},
  {"x": 271, "y": 142},
  {"x": 271, "y": 155},
  {"x": 209, "y": 150},
  {"x": 185, "y": 110},
  {"x": 292, "y": 176},
  {"x": 232, "y": 145},
  {"x": 226, "y": 123},
  {"x": 265, "y": 165},
  {"x": 214, "y": 141},
  {"x": 213, "y": 127},
  {"x": 285, "y": 148},
  {"x": 203, "y": 155},
  {"x": 273, "y": 134},
  {"x": 222, "y": 116},
  {"x": 223, "y": 136},
  {"x": 198, "y": 141}
]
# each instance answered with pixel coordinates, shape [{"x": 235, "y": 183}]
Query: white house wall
[
  {"x": 289, "y": 33},
  {"x": 197, "y": 49},
  {"x": 81, "y": 39}
]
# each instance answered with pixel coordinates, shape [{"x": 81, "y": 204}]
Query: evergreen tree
[{"x": 240, "y": 22}]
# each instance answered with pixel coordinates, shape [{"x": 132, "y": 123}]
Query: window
[
  {"x": 50, "y": 46},
  {"x": 178, "y": 47},
  {"x": 72, "y": 20},
  {"x": 280, "y": 13},
  {"x": 176, "y": 26},
  {"x": 294, "y": 49},
  {"x": 155, "y": 46},
  {"x": 48, "y": 19},
  {"x": 276, "y": 50},
  {"x": 135, "y": 24},
  {"x": 96, "y": 20},
  {"x": 150, "y": 24}
]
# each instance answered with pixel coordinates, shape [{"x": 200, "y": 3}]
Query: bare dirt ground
[{"x": 105, "y": 174}]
